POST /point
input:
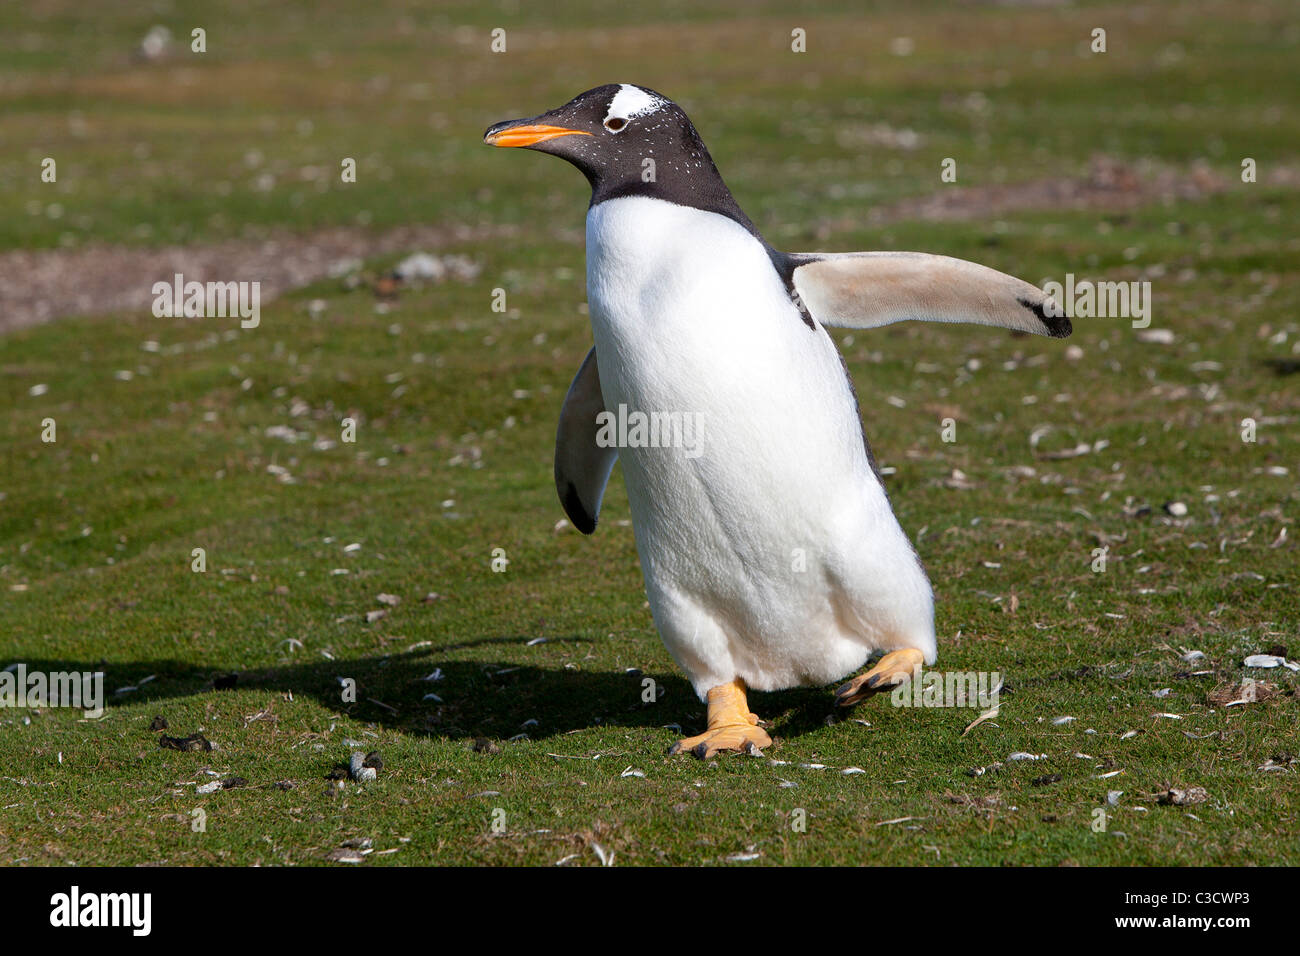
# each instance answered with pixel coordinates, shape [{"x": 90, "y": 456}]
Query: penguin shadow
[
  {"x": 789, "y": 714},
  {"x": 423, "y": 694},
  {"x": 417, "y": 693},
  {"x": 1282, "y": 367}
]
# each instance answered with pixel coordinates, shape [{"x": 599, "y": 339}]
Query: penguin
[{"x": 770, "y": 553}]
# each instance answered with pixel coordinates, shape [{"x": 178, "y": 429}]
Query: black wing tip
[
  {"x": 586, "y": 523},
  {"x": 1058, "y": 326}
]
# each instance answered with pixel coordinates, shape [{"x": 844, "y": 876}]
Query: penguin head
[{"x": 618, "y": 135}]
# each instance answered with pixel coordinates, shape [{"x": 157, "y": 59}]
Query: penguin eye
[{"x": 615, "y": 123}]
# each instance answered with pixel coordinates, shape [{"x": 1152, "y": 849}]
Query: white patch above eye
[{"x": 632, "y": 101}]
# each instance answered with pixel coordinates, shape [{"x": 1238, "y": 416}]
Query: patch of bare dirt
[
  {"x": 1109, "y": 186},
  {"x": 36, "y": 287}
]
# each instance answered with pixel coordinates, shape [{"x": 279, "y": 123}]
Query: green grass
[{"x": 453, "y": 458}]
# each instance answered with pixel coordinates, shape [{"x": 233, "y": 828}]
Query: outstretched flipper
[
  {"x": 863, "y": 290},
  {"x": 582, "y": 466}
]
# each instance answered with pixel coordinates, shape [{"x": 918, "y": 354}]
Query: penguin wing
[
  {"x": 582, "y": 466},
  {"x": 863, "y": 290}
]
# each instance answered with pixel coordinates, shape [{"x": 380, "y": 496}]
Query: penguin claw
[
  {"x": 731, "y": 726},
  {"x": 890, "y": 671},
  {"x": 747, "y": 739}
]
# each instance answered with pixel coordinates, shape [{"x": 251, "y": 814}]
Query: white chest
[
  {"x": 690, "y": 318},
  {"x": 686, "y": 307}
]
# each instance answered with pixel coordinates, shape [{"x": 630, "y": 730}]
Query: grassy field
[{"x": 163, "y": 443}]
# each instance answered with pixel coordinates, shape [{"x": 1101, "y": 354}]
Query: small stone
[
  {"x": 358, "y": 770},
  {"x": 1181, "y": 797}
]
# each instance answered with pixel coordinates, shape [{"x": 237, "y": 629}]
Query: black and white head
[{"x": 627, "y": 140}]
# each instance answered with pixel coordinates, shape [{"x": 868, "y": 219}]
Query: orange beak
[{"x": 528, "y": 135}]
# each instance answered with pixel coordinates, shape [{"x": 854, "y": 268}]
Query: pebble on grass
[
  {"x": 1183, "y": 796},
  {"x": 1265, "y": 661},
  {"x": 361, "y": 769}
]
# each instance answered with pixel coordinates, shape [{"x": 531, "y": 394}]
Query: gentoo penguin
[{"x": 771, "y": 556}]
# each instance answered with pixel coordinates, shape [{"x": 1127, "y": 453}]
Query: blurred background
[{"x": 158, "y": 145}]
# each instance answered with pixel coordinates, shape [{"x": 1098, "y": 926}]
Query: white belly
[{"x": 769, "y": 550}]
